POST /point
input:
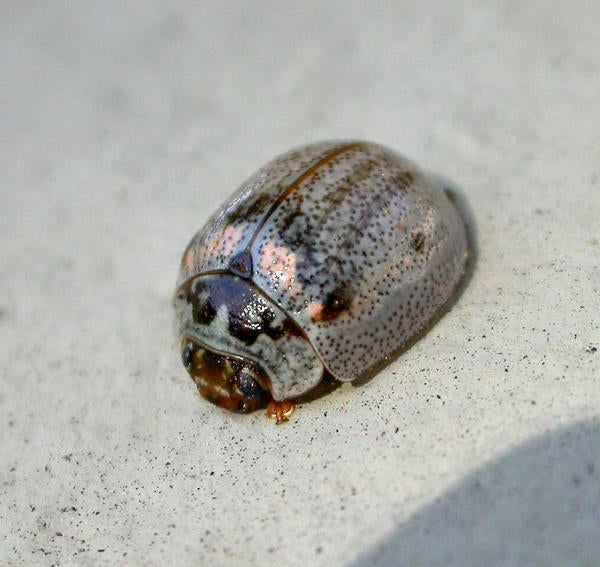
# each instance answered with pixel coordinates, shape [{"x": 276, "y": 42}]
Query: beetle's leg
[{"x": 280, "y": 411}]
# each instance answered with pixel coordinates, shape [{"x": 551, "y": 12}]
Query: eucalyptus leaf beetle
[{"x": 321, "y": 266}]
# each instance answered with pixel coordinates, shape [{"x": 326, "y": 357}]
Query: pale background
[{"x": 124, "y": 124}]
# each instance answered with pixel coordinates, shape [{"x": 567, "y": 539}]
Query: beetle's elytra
[{"x": 324, "y": 263}]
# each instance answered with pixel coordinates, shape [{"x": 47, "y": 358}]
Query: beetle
[{"x": 319, "y": 268}]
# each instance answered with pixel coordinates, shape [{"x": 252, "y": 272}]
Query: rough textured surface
[{"x": 125, "y": 124}]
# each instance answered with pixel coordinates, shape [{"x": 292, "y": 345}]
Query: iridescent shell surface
[{"x": 339, "y": 253}]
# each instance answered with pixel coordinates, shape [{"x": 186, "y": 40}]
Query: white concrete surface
[{"x": 125, "y": 123}]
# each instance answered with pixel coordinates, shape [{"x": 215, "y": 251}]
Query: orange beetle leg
[{"x": 280, "y": 411}]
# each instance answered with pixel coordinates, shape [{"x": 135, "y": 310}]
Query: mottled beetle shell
[{"x": 326, "y": 261}]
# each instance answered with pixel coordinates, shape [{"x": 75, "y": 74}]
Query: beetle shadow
[
  {"x": 539, "y": 504},
  {"x": 459, "y": 200}
]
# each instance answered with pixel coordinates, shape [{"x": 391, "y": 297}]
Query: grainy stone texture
[{"x": 125, "y": 124}]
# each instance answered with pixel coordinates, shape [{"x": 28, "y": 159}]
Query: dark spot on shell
[
  {"x": 295, "y": 227},
  {"x": 241, "y": 264},
  {"x": 336, "y": 304},
  {"x": 404, "y": 179},
  {"x": 418, "y": 242},
  {"x": 249, "y": 209},
  {"x": 203, "y": 312},
  {"x": 247, "y": 329},
  {"x": 289, "y": 219}
]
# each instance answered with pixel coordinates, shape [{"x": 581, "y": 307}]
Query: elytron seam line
[{"x": 294, "y": 185}]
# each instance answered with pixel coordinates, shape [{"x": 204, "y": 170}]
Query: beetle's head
[
  {"x": 240, "y": 348},
  {"x": 232, "y": 383}
]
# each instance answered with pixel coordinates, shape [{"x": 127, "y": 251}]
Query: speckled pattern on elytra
[{"x": 325, "y": 261}]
